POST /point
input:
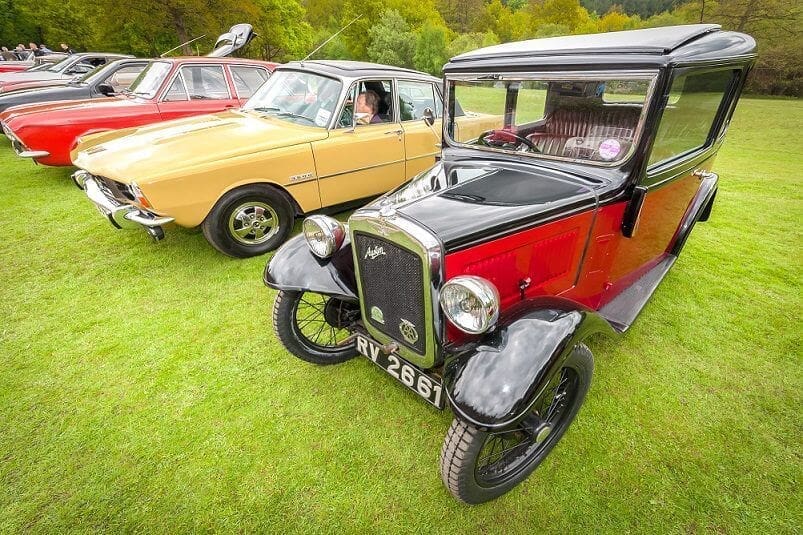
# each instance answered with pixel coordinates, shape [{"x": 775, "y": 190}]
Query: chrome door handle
[
  {"x": 703, "y": 174},
  {"x": 397, "y": 132}
]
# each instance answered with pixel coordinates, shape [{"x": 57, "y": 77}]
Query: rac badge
[
  {"x": 377, "y": 315},
  {"x": 408, "y": 331}
]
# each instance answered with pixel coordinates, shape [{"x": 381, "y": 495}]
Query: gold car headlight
[
  {"x": 324, "y": 235},
  {"x": 471, "y": 303}
]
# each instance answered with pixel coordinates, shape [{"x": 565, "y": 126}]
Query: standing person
[{"x": 66, "y": 49}]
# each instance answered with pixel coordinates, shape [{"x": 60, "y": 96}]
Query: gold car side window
[{"x": 376, "y": 95}]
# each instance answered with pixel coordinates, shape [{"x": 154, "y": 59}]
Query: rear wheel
[
  {"x": 314, "y": 327},
  {"x": 477, "y": 466},
  {"x": 249, "y": 221}
]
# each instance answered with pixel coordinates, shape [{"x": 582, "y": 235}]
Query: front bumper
[
  {"x": 20, "y": 148},
  {"x": 119, "y": 214}
]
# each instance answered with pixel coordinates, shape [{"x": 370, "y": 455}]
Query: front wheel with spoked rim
[
  {"x": 314, "y": 327},
  {"x": 477, "y": 466}
]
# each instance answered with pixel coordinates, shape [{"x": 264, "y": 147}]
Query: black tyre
[
  {"x": 477, "y": 466},
  {"x": 313, "y": 327},
  {"x": 249, "y": 221}
]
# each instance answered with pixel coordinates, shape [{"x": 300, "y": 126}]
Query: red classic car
[{"x": 166, "y": 89}]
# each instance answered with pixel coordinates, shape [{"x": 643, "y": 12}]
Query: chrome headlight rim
[
  {"x": 324, "y": 235},
  {"x": 481, "y": 289}
]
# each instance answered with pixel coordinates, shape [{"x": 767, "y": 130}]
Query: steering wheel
[{"x": 522, "y": 140}]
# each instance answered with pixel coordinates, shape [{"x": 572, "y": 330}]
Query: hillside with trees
[{"x": 421, "y": 35}]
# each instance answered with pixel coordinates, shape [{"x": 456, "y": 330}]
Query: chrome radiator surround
[{"x": 407, "y": 234}]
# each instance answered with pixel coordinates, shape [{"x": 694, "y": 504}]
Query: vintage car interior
[{"x": 593, "y": 120}]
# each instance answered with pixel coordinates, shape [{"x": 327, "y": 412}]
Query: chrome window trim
[
  {"x": 650, "y": 74},
  {"x": 406, "y": 233}
]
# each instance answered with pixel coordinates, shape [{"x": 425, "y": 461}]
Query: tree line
[{"x": 421, "y": 35}]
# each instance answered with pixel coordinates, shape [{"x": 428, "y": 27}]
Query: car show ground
[{"x": 142, "y": 388}]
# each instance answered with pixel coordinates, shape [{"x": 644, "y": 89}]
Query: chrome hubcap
[{"x": 253, "y": 223}]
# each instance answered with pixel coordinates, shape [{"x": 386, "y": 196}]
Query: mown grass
[{"x": 142, "y": 388}]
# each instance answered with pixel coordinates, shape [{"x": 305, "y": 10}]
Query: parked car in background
[
  {"x": 165, "y": 89},
  {"x": 244, "y": 175},
  {"x": 62, "y": 71},
  {"x": 104, "y": 81},
  {"x": 477, "y": 283},
  {"x": 30, "y": 64}
]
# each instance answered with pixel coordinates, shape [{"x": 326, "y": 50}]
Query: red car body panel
[
  {"x": 14, "y": 66},
  {"x": 55, "y": 127}
]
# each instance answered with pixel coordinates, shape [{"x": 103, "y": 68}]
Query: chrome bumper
[
  {"x": 19, "y": 147},
  {"x": 119, "y": 214}
]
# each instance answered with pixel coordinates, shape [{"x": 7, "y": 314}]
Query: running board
[{"x": 623, "y": 310}]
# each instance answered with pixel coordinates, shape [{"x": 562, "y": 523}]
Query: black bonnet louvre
[{"x": 392, "y": 283}]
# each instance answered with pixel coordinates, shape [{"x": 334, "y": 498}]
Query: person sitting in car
[
  {"x": 7, "y": 54},
  {"x": 367, "y": 107}
]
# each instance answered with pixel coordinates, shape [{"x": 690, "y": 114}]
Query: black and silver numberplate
[{"x": 407, "y": 374}]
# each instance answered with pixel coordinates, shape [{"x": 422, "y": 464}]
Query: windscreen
[
  {"x": 150, "y": 80},
  {"x": 593, "y": 119},
  {"x": 300, "y": 97}
]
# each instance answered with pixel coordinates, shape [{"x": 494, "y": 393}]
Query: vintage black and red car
[{"x": 476, "y": 283}]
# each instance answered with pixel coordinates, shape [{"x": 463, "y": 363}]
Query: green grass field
[{"x": 142, "y": 387}]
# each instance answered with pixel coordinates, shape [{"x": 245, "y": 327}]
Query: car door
[
  {"x": 358, "y": 161},
  {"x": 680, "y": 158},
  {"x": 422, "y": 142},
  {"x": 196, "y": 90},
  {"x": 247, "y": 79}
]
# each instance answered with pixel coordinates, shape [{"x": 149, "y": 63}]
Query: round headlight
[
  {"x": 471, "y": 303},
  {"x": 324, "y": 235}
]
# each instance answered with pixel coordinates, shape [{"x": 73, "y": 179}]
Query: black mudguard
[
  {"x": 294, "y": 267},
  {"x": 494, "y": 384}
]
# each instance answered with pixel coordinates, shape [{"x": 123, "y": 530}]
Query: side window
[
  {"x": 371, "y": 101},
  {"x": 205, "y": 82},
  {"x": 414, "y": 98},
  {"x": 124, "y": 77},
  {"x": 248, "y": 79},
  {"x": 694, "y": 101},
  {"x": 177, "y": 91}
]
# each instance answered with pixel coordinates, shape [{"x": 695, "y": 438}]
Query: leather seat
[{"x": 563, "y": 124}]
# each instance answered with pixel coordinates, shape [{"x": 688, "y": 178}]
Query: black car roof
[
  {"x": 357, "y": 69},
  {"x": 650, "y": 46}
]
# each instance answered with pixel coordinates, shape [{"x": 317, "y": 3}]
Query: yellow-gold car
[{"x": 297, "y": 146}]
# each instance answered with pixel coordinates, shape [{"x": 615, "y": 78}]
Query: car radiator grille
[{"x": 392, "y": 286}]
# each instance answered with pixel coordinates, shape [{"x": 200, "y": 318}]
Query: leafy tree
[
  {"x": 616, "y": 20},
  {"x": 564, "y": 12},
  {"x": 392, "y": 42},
  {"x": 430, "y": 49},
  {"x": 282, "y": 32},
  {"x": 470, "y": 41},
  {"x": 499, "y": 19},
  {"x": 460, "y": 15}
]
